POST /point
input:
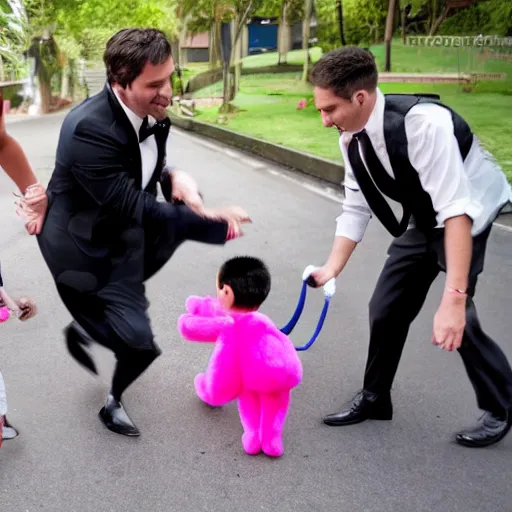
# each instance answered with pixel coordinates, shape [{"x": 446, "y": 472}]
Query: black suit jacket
[{"x": 98, "y": 218}]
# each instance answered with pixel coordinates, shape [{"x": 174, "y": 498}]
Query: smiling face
[
  {"x": 345, "y": 114},
  {"x": 150, "y": 92},
  {"x": 345, "y": 85},
  {"x": 139, "y": 66}
]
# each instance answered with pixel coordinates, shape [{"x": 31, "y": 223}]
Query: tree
[
  {"x": 390, "y": 25},
  {"x": 83, "y": 26},
  {"x": 306, "y": 24},
  {"x": 339, "y": 10}
]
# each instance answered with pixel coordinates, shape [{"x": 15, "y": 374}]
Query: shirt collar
[
  {"x": 134, "y": 119},
  {"x": 374, "y": 125}
]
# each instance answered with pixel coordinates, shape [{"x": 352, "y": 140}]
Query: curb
[{"x": 326, "y": 170}]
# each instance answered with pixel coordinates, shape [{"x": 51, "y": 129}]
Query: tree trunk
[
  {"x": 226, "y": 92},
  {"x": 64, "y": 90},
  {"x": 283, "y": 41},
  {"x": 45, "y": 90},
  {"x": 237, "y": 59},
  {"x": 339, "y": 10},
  {"x": 403, "y": 25},
  {"x": 390, "y": 24},
  {"x": 306, "y": 24},
  {"x": 237, "y": 28},
  {"x": 215, "y": 44},
  {"x": 437, "y": 23}
]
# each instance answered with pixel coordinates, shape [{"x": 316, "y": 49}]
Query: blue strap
[
  {"x": 288, "y": 328},
  {"x": 329, "y": 291},
  {"x": 318, "y": 327}
]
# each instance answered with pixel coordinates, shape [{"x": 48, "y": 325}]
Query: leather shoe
[
  {"x": 489, "y": 430},
  {"x": 77, "y": 339},
  {"x": 8, "y": 431},
  {"x": 116, "y": 419},
  {"x": 365, "y": 406}
]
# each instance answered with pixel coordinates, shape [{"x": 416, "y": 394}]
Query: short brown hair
[
  {"x": 345, "y": 71},
  {"x": 130, "y": 49}
]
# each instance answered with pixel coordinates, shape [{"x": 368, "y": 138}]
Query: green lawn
[
  {"x": 410, "y": 59},
  {"x": 404, "y": 59},
  {"x": 267, "y": 110},
  {"x": 271, "y": 58},
  {"x": 267, "y": 103}
]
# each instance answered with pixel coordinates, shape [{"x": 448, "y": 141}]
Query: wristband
[{"x": 458, "y": 291}]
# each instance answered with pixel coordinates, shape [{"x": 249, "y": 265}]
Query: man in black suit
[{"x": 105, "y": 232}]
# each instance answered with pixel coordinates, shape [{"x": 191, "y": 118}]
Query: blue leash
[{"x": 329, "y": 290}]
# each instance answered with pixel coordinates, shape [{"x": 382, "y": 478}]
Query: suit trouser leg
[
  {"x": 487, "y": 367},
  {"x": 117, "y": 321},
  {"x": 399, "y": 295},
  {"x": 486, "y": 364},
  {"x": 3, "y": 397},
  {"x": 396, "y": 303}
]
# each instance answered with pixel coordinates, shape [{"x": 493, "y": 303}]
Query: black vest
[{"x": 407, "y": 188}]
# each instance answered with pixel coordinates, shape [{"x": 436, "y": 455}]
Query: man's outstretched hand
[
  {"x": 234, "y": 215},
  {"x": 33, "y": 208},
  {"x": 185, "y": 189}
]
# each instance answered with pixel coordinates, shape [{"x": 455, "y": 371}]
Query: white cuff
[
  {"x": 352, "y": 226},
  {"x": 459, "y": 207}
]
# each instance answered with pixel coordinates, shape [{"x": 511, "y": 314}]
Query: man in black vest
[
  {"x": 105, "y": 232},
  {"x": 418, "y": 153}
]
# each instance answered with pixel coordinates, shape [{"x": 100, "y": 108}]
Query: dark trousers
[{"x": 414, "y": 261}]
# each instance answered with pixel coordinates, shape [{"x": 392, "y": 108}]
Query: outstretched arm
[
  {"x": 101, "y": 173},
  {"x": 15, "y": 164},
  {"x": 202, "y": 329},
  {"x": 203, "y": 306},
  {"x": 12, "y": 158}
]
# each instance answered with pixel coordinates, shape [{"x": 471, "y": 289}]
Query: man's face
[
  {"x": 346, "y": 115},
  {"x": 151, "y": 92}
]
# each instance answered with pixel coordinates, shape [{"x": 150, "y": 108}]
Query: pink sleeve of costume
[
  {"x": 197, "y": 328},
  {"x": 204, "y": 306}
]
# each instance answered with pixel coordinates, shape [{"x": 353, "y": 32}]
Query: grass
[
  {"x": 410, "y": 59},
  {"x": 294, "y": 57},
  {"x": 267, "y": 106}
]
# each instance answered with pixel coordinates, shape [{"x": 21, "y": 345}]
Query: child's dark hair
[{"x": 249, "y": 279}]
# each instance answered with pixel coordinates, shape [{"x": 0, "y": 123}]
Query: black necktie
[
  {"x": 373, "y": 177},
  {"x": 160, "y": 127}
]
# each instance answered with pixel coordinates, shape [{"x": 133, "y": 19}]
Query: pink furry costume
[{"x": 252, "y": 361}]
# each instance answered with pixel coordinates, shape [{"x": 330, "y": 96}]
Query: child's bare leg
[
  {"x": 250, "y": 416},
  {"x": 274, "y": 408},
  {"x": 3, "y": 397},
  {"x": 8, "y": 432}
]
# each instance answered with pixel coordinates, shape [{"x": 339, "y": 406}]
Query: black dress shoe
[
  {"x": 365, "y": 406},
  {"x": 116, "y": 419},
  {"x": 8, "y": 431},
  {"x": 489, "y": 430},
  {"x": 77, "y": 339}
]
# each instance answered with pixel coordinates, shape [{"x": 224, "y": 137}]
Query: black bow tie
[{"x": 145, "y": 130}]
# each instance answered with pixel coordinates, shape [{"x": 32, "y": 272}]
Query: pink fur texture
[
  {"x": 253, "y": 362},
  {"x": 4, "y": 314}
]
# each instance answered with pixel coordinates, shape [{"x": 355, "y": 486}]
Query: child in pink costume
[
  {"x": 252, "y": 361},
  {"x": 23, "y": 309}
]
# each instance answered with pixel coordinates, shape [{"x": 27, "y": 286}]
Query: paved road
[{"x": 189, "y": 458}]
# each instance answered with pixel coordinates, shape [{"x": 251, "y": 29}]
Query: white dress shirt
[
  {"x": 148, "y": 148},
  {"x": 476, "y": 187}
]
